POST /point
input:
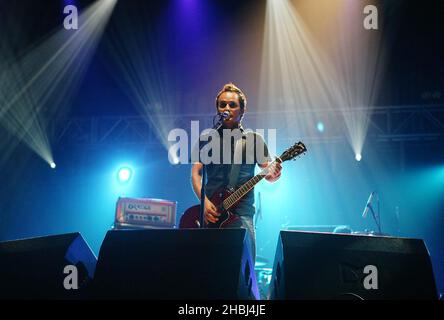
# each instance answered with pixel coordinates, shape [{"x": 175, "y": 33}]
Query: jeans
[{"x": 247, "y": 223}]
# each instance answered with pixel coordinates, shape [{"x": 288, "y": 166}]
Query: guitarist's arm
[
  {"x": 196, "y": 181},
  {"x": 274, "y": 171}
]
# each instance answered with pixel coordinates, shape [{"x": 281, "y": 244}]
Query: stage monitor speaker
[
  {"x": 175, "y": 264},
  {"x": 337, "y": 266},
  {"x": 42, "y": 268}
]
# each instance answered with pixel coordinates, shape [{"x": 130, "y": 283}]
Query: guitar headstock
[{"x": 293, "y": 152}]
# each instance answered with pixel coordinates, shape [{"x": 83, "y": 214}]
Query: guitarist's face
[{"x": 229, "y": 101}]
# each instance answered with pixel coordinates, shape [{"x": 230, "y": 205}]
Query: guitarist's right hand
[{"x": 211, "y": 213}]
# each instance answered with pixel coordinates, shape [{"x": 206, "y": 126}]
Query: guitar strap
[{"x": 235, "y": 168}]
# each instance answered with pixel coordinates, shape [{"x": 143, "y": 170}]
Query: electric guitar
[{"x": 226, "y": 199}]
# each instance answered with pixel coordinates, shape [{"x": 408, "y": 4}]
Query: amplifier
[{"x": 145, "y": 213}]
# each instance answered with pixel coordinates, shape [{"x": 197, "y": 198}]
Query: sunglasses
[{"x": 231, "y": 104}]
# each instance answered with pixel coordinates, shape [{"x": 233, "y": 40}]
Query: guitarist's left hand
[{"x": 274, "y": 172}]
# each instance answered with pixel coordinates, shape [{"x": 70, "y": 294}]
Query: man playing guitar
[{"x": 232, "y": 101}]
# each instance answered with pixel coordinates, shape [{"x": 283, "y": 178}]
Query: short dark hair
[{"x": 231, "y": 87}]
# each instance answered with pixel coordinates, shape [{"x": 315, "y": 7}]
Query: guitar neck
[{"x": 246, "y": 187}]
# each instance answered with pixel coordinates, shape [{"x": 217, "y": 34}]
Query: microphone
[
  {"x": 224, "y": 115},
  {"x": 220, "y": 116},
  {"x": 367, "y": 206}
]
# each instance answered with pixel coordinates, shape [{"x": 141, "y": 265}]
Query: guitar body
[{"x": 227, "y": 219}]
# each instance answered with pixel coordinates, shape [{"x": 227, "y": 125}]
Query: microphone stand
[
  {"x": 216, "y": 126},
  {"x": 376, "y": 217},
  {"x": 259, "y": 209}
]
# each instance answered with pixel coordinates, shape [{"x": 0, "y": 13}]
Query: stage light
[
  {"x": 172, "y": 155},
  {"x": 52, "y": 165},
  {"x": 358, "y": 157},
  {"x": 314, "y": 67},
  {"x": 36, "y": 87},
  {"x": 320, "y": 126},
  {"x": 124, "y": 175}
]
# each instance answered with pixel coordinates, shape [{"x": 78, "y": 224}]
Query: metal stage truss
[{"x": 386, "y": 124}]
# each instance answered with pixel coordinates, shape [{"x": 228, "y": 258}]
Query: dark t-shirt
[{"x": 254, "y": 151}]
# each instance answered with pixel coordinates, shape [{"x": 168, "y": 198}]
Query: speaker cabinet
[
  {"x": 34, "y": 268},
  {"x": 175, "y": 264},
  {"x": 336, "y": 266}
]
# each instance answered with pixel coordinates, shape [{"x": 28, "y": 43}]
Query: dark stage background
[{"x": 194, "y": 47}]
